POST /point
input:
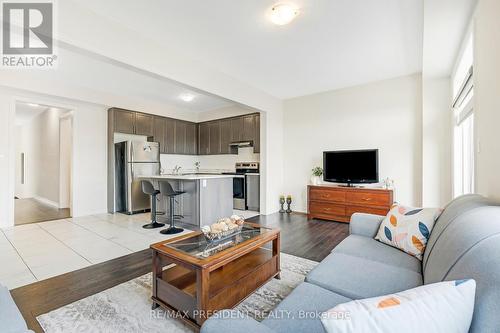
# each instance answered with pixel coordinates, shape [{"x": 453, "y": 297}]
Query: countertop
[{"x": 186, "y": 177}]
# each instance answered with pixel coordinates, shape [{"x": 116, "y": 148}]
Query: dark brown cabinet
[
  {"x": 170, "y": 136},
  {"x": 214, "y": 138},
  {"x": 180, "y": 137},
  {"x": 203, "y": 139},
  {"x": 225, "y": 136},
  {"x": 191, "y": 139},
  {"x": 124, "y": 121},
  {"x": 248, "y": 132},
  {"x": 144, "y": 124},
  {"x": 236, "y": 129},
  {"x": 159, "y": 133},
  {"x": 256, "y": 141},
  {"x": 188, "y": 138}
]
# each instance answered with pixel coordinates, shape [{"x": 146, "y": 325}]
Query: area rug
[{"x": 127, "y": 307}]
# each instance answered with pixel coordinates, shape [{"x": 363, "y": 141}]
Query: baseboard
[{"x": 47, "y": 201}]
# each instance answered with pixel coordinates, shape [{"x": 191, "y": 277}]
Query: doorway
[{"x": 43, "y": 183}]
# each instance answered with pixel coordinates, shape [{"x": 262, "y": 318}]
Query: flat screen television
[{"x": 351, "y": 166}]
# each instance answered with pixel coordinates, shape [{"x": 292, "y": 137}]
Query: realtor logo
[{"x": 27, "y": 34}]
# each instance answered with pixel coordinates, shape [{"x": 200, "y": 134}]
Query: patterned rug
[{"x": 127, "y": 307}]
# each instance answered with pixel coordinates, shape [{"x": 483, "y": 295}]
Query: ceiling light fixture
[
  {"x": 186, "y": 97},
  {"x": 283, "y": 13},
  {"x": 33, "y": 105}
]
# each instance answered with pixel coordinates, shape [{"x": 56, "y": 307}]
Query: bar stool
[
  {"x": 167, "y": 191},
  {"x": 149, "y": 189}
]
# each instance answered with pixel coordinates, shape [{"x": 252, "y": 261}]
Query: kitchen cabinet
[
  {"x": 248, "y": 132},
  {"x": 170, "y": 136},
  {"x": 180, "y": 137},
  {"x": 191, "y": 139},
  {"x": 225, "y": 136},
  {"x": 236, "y": 129},
  {"x": 188, "y": 138},
  {"x": 214, "y": 138},
  {"x": 256, "y": 141},
  {"x": 203, "y": 139},
  {"x": 144, "y": 124},
  {"x": 124, "y": 121},
  {"x": 159, "y": 133}
]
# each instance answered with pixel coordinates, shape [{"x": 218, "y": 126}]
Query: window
[{"x": 463, "y": 114}]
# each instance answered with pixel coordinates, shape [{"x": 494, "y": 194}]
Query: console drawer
[
  {"x": 374, "y": 198},
  {"x": 326, "y": 208},
  {"x": 364, "y": 209},
  {"x": 324, "y": 194}
]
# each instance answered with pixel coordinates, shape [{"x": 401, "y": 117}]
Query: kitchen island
[{"x": 207, "y": 197}]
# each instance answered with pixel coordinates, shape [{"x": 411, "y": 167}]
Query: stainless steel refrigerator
[{"x": 133, "y": 159}]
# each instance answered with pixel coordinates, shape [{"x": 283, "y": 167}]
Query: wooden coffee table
[{"x": 208, "y": 276}]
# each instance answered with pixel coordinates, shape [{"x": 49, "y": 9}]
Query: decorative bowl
[{"x": 217, "y": 236}]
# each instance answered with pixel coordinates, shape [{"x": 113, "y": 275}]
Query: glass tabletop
[{"x": 198, "y": 246}]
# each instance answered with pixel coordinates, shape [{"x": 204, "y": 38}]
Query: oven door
[{"x": 239, "y": 190}]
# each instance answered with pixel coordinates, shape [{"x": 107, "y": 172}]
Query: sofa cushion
[
  {"x": 408, "y": 228},
  {"x": 306, "y": 299},
  {"x": 357, "y": 277},
  {"x": 11, "y": 320},
  {"x": 433, "y": 308},
  {"x": 368, "y": 248}
]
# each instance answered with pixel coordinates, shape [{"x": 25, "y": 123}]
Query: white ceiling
[{"x": 332, "y": 44}]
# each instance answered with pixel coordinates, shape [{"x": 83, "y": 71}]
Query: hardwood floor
[
  {"x": 32, "y": 211},
  {"x": 308, "y": 239}
]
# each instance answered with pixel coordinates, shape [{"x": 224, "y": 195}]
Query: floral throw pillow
[{"x": 408, "y": 228}]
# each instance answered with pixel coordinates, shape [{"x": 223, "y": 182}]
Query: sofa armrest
[
  {"x": 233, "y": 321},
  {"x": 365, "y": 224}
]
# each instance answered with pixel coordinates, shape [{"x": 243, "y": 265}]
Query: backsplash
[{"x": 208, "y": 163}]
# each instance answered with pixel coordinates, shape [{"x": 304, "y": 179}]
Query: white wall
[
  {"x": 24, "y": 144},
  {"x": 45, "y": 157},
  {"x": 437, "y": 142},
  {"x": 89, "y": 152},
  {"x": 385, "y": 115},
  {"x": 487, "y": 97}
]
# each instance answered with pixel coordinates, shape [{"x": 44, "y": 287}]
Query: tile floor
[
  {"x": 37, "y": 251},
  {"x": 34, "y": 252}
]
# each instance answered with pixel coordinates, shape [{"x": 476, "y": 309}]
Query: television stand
[{"x": 339, "y": 202}]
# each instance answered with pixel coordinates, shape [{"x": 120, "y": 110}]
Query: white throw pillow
[
  {"x": 433, "y": 308},
  {"x": 408, "y": 228}
]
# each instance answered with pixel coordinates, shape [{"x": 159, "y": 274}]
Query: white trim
[{"x": 46, "y": 201}]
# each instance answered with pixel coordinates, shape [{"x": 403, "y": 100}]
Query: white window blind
[{"x": 463, "y": 109}]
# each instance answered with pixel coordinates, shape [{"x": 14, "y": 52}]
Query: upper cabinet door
[
  {"x": 191, "y": 139},
  {"x": 256, "y": 141},
  {"x": 144, "y": 124},
  {"x": 248, "y": 128},
  {"x": 236, "y": 129},
  {"x": 180, "y": 137},
  {"x": 169, "y": 136},
  {"x": 124, "y": 121},
  {"x": 203, "y": 139},
  {"x": 159, "y": 133},
  {"x": 225, "y": 136},
  {"x": 214, "y": 145}
]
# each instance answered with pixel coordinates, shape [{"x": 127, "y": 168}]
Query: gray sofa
[
  {"x": 465, "y": 243},
  {"x": 11, "y": 320}
]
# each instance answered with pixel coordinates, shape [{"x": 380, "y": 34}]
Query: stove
[{"x": 246, "y": 186}]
